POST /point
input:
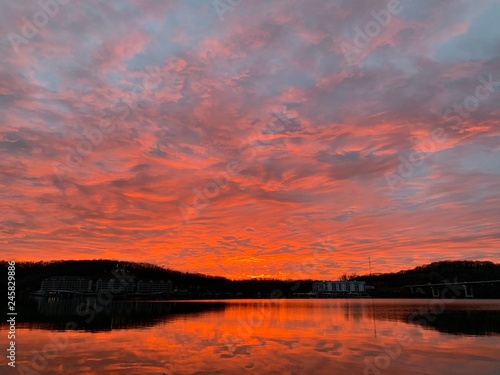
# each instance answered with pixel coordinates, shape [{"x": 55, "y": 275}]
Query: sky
[{"x": 283, "y": 138}]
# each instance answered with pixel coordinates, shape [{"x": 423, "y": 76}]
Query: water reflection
[
  {"x": 271, "y": 337},
  {"x": 91, "y": 314},
  {"x": 454, "y": 317},
  {"x": 481, "y": 323}
]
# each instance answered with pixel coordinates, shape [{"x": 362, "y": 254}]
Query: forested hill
[
  {"x": 30, "y": 274},
  {"x": 392, "y": 284},
  {"x": 438, "y": 272}
]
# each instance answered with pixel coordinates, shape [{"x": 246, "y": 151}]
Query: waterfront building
[
  {"x": 152, "y": 287},
  {"x": 66, "y": 284},
  {"x": 115, "y": 286},
  {"x": 352, "y": 286}
]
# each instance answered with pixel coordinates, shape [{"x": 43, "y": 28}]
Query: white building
[
  {"x": 66, "y": 284},
  {"x": 115, "y": 286},
  {"x": 152, "y": 287},
  {"x": 339, "y": 287}
]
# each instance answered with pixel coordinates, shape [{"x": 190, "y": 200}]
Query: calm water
[{"x": 263, "y": 337}]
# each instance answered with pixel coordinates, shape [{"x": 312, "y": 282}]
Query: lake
[{"x": 287, "y": 336}]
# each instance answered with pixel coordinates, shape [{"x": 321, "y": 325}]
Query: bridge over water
[{"x": 466, "y": 285}]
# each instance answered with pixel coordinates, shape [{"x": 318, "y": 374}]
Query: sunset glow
[{"x": 284, "y": 139}]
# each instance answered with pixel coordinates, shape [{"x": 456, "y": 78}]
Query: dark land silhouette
[
  {"x": 90, "y": 314},
  {"x": 29, "y": 276}
]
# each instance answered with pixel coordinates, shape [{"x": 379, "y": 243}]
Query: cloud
[{"x": 157, "y": 132}]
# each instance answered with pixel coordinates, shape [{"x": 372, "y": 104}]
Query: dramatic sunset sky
[{"x": 269, "y": 138}]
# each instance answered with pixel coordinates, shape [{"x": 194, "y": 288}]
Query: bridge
[{"x": 466, "y": 285}]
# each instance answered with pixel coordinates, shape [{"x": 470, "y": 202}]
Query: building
[
  {"x": 151, "y": 287},
  {"x": 66, "y": 284},
  {"x": 339, "y": 287},
  {"x": 115, "y": 286}
]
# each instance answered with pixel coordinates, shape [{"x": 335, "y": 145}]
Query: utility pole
[{"x": 370, "y": 264}]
